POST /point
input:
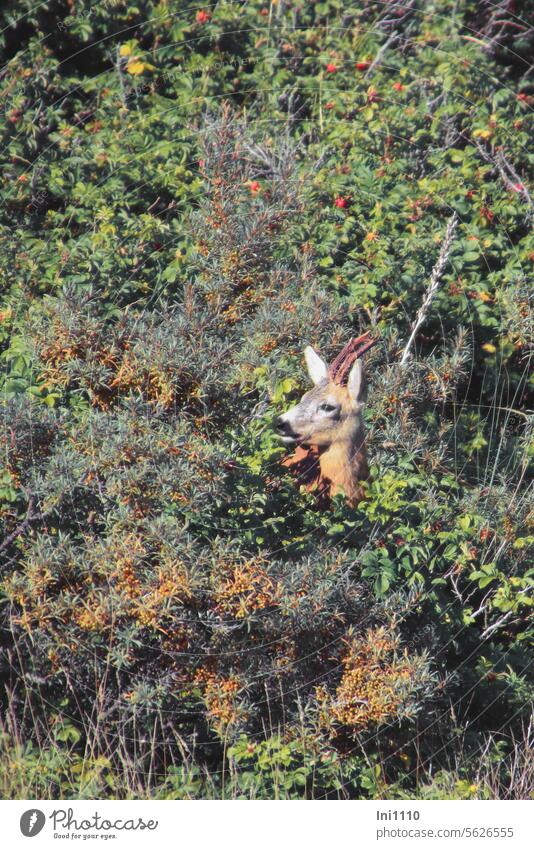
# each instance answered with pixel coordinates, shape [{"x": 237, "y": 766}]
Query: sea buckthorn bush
[{"x": 191, "y": 196}]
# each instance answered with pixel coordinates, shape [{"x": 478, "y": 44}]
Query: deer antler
[{"x": 353, "y": 350}]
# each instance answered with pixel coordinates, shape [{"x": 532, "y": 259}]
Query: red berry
[
  {"x": 331, "y": 68},
  {"x": 341, "y": 202},
  {"x": 254, "y": 186},
  {"x": 398, "y": 86},
  {"x": 202, "y": 17},
  {"x": 362, "y": 66}
]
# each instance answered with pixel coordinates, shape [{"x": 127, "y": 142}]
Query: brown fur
[
  {"x": 327, "y": 425},
  {"x": 337, "y": 467}
]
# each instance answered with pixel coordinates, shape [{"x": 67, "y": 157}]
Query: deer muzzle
[{"x": 284, "y": 430}]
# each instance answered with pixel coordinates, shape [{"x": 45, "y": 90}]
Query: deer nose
[{"x": 281, "y": 426}]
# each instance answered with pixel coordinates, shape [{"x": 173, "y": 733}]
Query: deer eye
[{"x": 327, "y": 408}]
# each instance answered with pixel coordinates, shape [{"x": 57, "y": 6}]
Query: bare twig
[
  {"x": 435, "y": 280},
  {"x": 496, "y": 625},
  {"x": 507, "y": 172},
  {"x": 30, "y": 517},
  {"x": 389, "y": 41},
  {"x": 400, "y": 14},
  {"x": 436, "y": 101}
]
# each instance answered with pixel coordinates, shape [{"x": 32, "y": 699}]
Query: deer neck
[{"x": 343, "y": 464}]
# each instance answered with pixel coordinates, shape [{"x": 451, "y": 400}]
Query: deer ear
[
  {"x": 317, "y": 368},
  {"x": 356, "y": 382}
]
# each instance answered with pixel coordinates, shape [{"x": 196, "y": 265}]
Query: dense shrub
[{"x": 189, "y": 200}]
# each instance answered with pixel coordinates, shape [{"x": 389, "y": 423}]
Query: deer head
[{"x": 328, "y": 422}]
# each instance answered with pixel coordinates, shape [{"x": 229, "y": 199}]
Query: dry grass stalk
[{"x": 435, "y": 280}]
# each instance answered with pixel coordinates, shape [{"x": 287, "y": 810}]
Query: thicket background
[{"x": 191, "y": 194}]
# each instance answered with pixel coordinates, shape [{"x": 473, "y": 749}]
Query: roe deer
[{"x": 326, "y": 426}]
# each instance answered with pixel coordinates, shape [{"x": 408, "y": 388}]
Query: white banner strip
[{"x": 268, "y": 825}]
